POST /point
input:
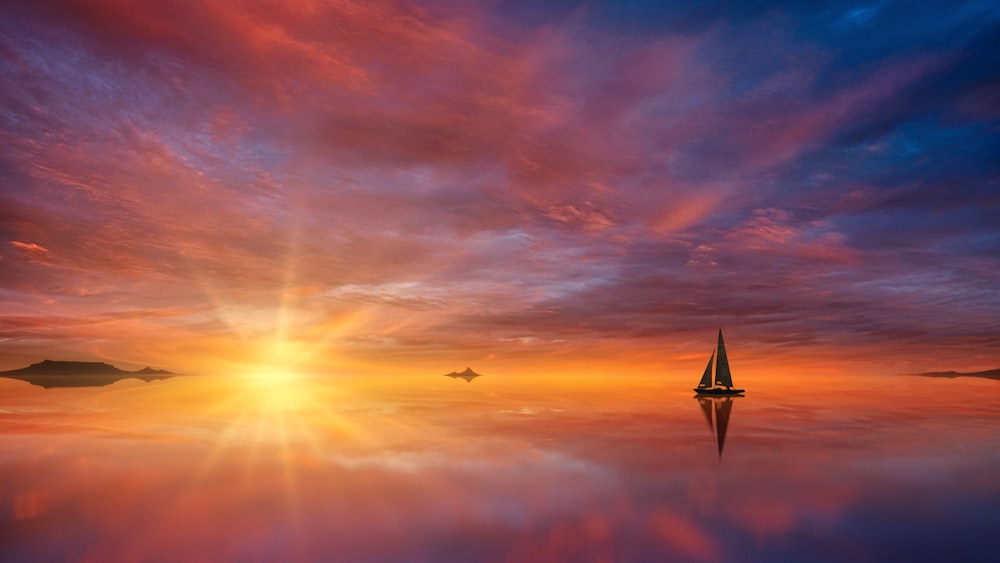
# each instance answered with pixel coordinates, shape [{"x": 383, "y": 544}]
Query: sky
[
  {"x": 521, "y": 468},
  {"x": 563, "y": 186}
]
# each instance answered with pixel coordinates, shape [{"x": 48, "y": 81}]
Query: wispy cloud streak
[{"x": 381, "y": 182}]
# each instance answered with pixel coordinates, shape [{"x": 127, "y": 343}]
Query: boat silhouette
[{"x": 722, "y": 383}]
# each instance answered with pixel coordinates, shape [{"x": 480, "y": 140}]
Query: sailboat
[{"x": 722, "y": 384}]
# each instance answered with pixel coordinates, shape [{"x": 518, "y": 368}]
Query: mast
[
  {"x": 722, "y": 375},
  {"x": 706, "y": 378}
]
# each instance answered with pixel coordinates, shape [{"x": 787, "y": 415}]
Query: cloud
[
  {"x": 595, "y": 171},
  {"x": 31, "y": 249}
]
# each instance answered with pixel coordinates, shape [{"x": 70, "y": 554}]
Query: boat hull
[{"x": 718, "y": 391}]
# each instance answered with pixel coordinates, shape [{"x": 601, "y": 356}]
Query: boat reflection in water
[{"x": 719, "y": 408}]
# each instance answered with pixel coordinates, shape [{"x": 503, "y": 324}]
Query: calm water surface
[{"x": 500, "y": 469}]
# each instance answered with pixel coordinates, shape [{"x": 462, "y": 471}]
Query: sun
[
  {"x": 278, "y": 376},
  {"x": 279, "y": 358}
]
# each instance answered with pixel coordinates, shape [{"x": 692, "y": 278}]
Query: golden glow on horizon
[
  {"x": 279, "y": 359},
  {"x": 281, "y": 340}
]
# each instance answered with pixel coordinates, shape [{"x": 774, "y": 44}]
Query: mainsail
[
  {"x": 722, "y": 375},
  {"x": 706, "y": 378}
]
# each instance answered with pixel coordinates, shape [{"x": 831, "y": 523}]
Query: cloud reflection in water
[{"x": 511, "y": 469}]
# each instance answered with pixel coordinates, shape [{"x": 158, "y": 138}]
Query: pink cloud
[
  {"x": 682, "y": 536},
  {"x": 531, "y": 181}
]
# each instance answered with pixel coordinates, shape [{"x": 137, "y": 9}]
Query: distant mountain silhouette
[
  {"x": 51, "y": 373},
  {"x": 989, "y": 374},
  {"x": 468, "y": 375},
  {"x": 150, "y": 371}
]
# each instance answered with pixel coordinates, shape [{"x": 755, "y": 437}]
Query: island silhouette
[
  {"x": 52, "y": 373},
  {"x": 988, "y": 374},
  {"x": 468, "y": 375}
]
